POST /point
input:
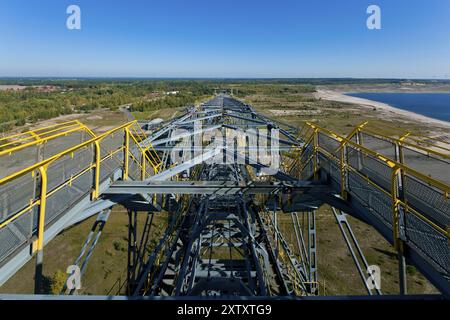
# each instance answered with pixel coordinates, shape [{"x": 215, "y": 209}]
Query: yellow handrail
[
  {"x": 406, "y": 143},
  {"x": 63, "y": 153},
  {"x": 395, "y": 167},
  {"x": 32, "y": 133},
  {"x": 413, "y": 136},
  {"x": 15, "y": 145},
  {"x": 390, "y": 162},
  {"x": 43, "y": 165}
]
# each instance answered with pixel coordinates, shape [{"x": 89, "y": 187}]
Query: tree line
[
  {"x": 33, "y": 104},
  {"x": 83, "y": 95}
]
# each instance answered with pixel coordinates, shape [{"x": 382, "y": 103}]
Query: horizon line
[{"x": 218, "y": 78}]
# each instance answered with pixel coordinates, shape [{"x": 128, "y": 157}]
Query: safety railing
[
  {"x": 41, "y": 134},
  {"x": 35, "y": 197},
  {"x": 438, "y": 142},
  {"x": 393, "y": 180},
  {"x": 432, "y": 160},
  {"x": 19, "y": 151},
  {"x": 301, "y": 157}
]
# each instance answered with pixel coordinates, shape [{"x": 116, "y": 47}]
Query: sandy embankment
[{"x": 385, "y": 109}]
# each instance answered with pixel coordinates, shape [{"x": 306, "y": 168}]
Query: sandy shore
[{"x": 383, "y": 107}]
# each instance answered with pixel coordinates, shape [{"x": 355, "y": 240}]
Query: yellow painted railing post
[
  {"x": 42, "y": 204},
  {"x": 356, "y": 130},
  {"x": 96, "y": 192},
  {"x": 401, "y": 159},
  {"x": 359, "y": 141},
  {"x": 398, "y": 243},
  {"x": 126, "y": 151},
  {"x": 315, "y": 155},
  {"x": 343, "y": 173},
  {"x": 40, "y": 233},
  {"x": 143, "y": 166},
  {"x": 395, "y": 211}
]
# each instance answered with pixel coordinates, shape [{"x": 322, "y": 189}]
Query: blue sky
[{"x": 233, "y": 38}]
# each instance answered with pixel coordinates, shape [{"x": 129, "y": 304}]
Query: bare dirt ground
[
  {"x": 11, "y": 87},
  {"x": 98, "y": 121},
  {"x": 384, "y": 109},
  {"x": 279, "y": 112}
]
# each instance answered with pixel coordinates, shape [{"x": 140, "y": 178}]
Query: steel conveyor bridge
[{"x": 225, "y": 174}]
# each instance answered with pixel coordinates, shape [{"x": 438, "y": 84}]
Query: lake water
[{"x": 434, "y": 105}]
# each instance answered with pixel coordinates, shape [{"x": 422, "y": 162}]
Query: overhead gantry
[{"x": 225, "y": 174}]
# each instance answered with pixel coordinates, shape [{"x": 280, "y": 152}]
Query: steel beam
[{"x": 204, "y": 187}]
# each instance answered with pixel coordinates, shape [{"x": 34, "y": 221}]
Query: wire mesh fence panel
[
  {"x": 307, "y": 153},
  {"x": 134, "y": 169},
  {"x": 426, "y": 199},
  {"x": 430, "y": 165},
  {"x": 111, "y": 143},
  {"x": 59, "y": 144},
  {"x": 370, "y": 166},
  {"x": 17, "y": 233},
  {"x": 16, "y": 195},
  {"x": 328, "y": 143},
  {"x": 430, "y": 242},
  {"x": 153, "y": 160},
  {"x": 386, "y": 148},
  {"x": 374, "y": 200},
  {"x": 69, "y": 165},
  {"x": 112, "y": 154},
  {"x": 135, "y": 161},
  {"x": 65, "y": 197},
  {"x": 18, "y": 160},
  {"x": 335, "y": 172},
  {"x": 308, "y": 171},
  {"x": 110, "y": 164},
  {"x": 306, "y": 163},
  {"x": 331, "y": 167}
]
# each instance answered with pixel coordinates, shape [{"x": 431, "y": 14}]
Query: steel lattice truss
[
  {"x": 225, "y": 174},
  {"x": 222, "y": 242}
]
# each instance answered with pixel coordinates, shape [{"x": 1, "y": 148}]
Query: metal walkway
[{"x": 225, "y": 174}]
